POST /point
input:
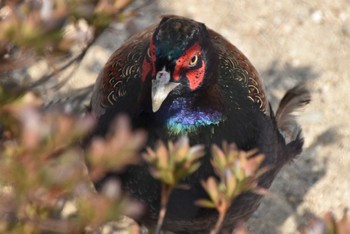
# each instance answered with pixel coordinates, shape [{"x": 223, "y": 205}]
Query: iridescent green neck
[{"x": 186, "y": 119}]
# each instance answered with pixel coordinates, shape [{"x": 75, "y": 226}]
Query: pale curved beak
[{"x": 161, "y": 87}]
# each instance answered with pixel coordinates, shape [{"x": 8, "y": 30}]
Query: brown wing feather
[
  {"x": 123, "y": 65},
  {"x": 235, "y": 59}
]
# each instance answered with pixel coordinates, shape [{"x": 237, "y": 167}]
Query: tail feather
[{"x": 293, "y": 100}]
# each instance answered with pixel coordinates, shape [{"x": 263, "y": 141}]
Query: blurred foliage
[
  {"x": 238, "y": 172},
  {"x": 170, "y": 165},
  {"x": 58, "y": 31},
  {"x": 173, "y": 163},
  {"x": 328, "y": 224},
  {"x": 42, "y": 167},
  {"x": 118, "y": 149},
  {"x": 42, "y": 25}
]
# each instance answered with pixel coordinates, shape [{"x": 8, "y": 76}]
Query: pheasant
[{"x": 181, "y": 78}]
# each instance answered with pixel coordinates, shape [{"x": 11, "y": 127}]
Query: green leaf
[
  {"x": 205, "y": 203},
  {"x": 219, "y": 157},
  {"x": 194, "y": 167},
  {"x": 167, "y": 177},
  {"x": 231, "y": 183},
  {"x": 211, "y": 187}
]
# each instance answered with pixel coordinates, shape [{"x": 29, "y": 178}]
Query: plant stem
[
  {"x": 166, "y": 190},
  {"x": 218, "y": 224}
]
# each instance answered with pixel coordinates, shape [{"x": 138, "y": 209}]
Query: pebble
[{"x": 317, "y": 16}]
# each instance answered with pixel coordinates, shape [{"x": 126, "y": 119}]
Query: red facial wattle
[{"x": 194, "y": 75}]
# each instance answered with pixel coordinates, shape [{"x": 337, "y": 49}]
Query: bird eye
[{"x": 193, "y": 61}]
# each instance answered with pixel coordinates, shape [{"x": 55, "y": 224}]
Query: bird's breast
[{"x": 181, "y": 117}]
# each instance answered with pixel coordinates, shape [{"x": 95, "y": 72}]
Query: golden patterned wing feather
[
  {"x": 123, "y": 65},
  {"x": 234, "y": 62}
]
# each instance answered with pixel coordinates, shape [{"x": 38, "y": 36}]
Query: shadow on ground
[{"x": 296, "y": 179}]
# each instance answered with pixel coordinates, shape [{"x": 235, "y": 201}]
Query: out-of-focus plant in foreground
[
  {"x": 51, "y": 27},
  {"x": 328, "y": 224},
  {"x": 170, "y": 165},
  {"x": 238, "y": 172},
  {"x": 42, "y": 166}
]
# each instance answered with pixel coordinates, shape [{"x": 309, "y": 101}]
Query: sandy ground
[{"x": 288, "y": 42}]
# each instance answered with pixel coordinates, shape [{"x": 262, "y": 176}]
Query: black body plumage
[{"x": 219, "y": 98}]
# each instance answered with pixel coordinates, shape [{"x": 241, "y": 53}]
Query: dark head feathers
[{"x": 174, "y": 35}]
